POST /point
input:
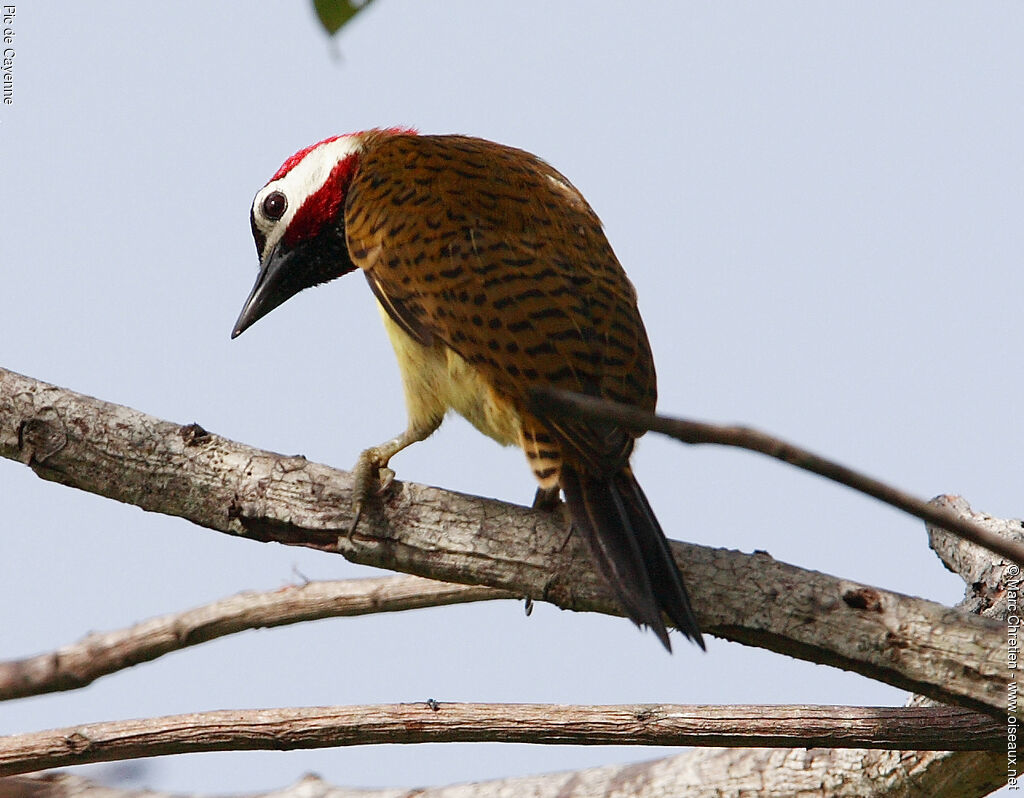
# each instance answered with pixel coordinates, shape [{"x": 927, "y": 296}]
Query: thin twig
[
  {"x": 102, "y": 653},
  {"x": 568, "y": 403},
  {"x": 918, "y": 728}
]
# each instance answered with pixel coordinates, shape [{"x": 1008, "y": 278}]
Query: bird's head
[{"x": 298, "y": 223}]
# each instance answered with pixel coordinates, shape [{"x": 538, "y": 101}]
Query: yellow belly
[{"x": 436, "y": 379}]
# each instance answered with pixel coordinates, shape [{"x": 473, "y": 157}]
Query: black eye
[{"x": 274, "y": 205}]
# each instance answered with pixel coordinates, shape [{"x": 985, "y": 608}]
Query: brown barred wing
[{"x": 494, "y": 253}]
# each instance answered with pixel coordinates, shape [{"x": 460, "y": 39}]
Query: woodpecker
[{"x": 493, "y": 276}]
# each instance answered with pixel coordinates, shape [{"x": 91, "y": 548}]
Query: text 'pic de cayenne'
[{"x": 493, "y": 277}]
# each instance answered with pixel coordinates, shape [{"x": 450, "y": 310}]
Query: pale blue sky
[{"x": 820, "y": 206}]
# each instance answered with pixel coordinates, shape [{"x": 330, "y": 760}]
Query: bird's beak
[{"x": 268, "y": 292}]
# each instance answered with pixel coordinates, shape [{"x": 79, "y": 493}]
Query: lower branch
[
  {"x": 102, "y": 653},
  {"x": 921, "y": 728},
  {"x": 704, "y": 773}
]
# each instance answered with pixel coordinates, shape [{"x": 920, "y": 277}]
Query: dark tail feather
[
  {"x": 665, "y": 577},
  {"x": 627, "y": 543}
]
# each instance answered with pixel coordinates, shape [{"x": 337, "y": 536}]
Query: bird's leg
[{"x": 371, "y": 475}]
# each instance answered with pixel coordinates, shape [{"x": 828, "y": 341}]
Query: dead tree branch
[
  {"x": 930, "y": 728},
  {"x": 102, "y": 653},
  {"x": 705, "y": 773},
  {"x": 984, "y": 575}
]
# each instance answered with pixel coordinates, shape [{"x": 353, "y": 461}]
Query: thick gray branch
[
  {"x": 985, "y": 576},
  {"x": 183, "y": 470}
]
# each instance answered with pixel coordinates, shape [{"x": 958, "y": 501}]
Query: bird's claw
[
  {"x": 386, "y": 476},
  {"x": 371, "y": 478}
]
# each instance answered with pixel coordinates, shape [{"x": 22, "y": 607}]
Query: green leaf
[{"x": 335, "y": 13}]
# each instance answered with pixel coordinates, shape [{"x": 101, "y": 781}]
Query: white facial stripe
[{"x": 304, "y": 179}]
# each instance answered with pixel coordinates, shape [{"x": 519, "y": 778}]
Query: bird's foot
[{"x": 371, "y": 478}]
